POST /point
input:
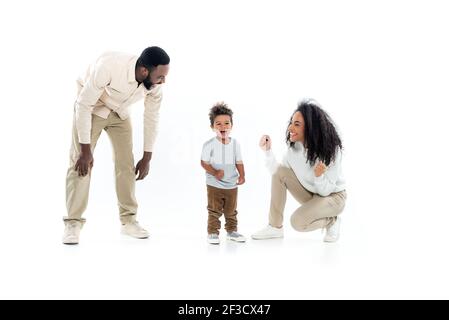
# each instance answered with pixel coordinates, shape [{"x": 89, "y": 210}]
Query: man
[{"x": 110, "y": 86}]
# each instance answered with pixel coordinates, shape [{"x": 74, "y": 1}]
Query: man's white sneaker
[
  {"x": 213, "y": 238},
  {"x": 72, "y": 232},
  {"x": 235, "y": 236},
  {"x": 268, "y": 232},
  {"x": 133, "y": 229},
  {"x": 333, "y": 231}
]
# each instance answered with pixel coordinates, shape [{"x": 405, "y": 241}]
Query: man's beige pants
[
  {"x": 316, "y": 211},
  {"x": 77, "y": 188}
]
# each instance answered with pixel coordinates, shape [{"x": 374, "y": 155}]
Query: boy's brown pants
[{"x": 221, "y": 201}]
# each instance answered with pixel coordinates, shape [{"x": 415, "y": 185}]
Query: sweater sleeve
[
  {"x": 271, "y": 163},
  {"x": 327, "y": 182}
]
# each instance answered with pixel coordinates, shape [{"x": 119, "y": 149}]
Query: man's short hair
[{"x": 151, "y": 57}]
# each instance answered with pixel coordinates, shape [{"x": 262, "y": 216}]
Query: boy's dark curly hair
[
  {"x": 321, "y": 139},
  {"x": 219, "y": 109}
]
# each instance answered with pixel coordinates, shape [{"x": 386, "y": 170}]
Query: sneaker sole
[
  {"x": 266, "y": 238},
  {"x": 70, "y": 243},
  {"x": 236, "y": 240},
  {"x": 135, "y": 237},
  {"x": 330, "y": 240}
]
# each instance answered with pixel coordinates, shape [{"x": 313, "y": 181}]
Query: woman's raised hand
[{"x": 265, "y": 142}]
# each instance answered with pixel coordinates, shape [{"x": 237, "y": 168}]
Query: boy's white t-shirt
[{"x": 222, "y": 157}]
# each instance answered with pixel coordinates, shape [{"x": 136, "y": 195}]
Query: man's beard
[{"x": 147, "y": 83}]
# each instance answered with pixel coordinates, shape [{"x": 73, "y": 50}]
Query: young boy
[{"x": 222, "y": 160}]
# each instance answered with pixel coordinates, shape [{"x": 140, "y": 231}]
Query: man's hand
[
  {"x": 85, "y": 161},
  {"x": 241, "y": 180},
  {"x": 143, "y": 166}
]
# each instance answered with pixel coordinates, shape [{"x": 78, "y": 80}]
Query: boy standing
[{"x": 222, "y": 160}]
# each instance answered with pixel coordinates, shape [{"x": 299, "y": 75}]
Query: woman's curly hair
[{"x": 321, "y": 139}]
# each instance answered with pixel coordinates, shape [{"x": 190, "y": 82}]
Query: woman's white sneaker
[
  {"x": 333, "y": 231},
  {"x": 268, "y": 232}
]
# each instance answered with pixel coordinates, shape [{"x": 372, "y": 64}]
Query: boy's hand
[
  {"x": 320, "y": 168},
  {"x": 241, "y": 180},
  {"x": 219, "y": 174},
  {"x": 265, "y": 143}
]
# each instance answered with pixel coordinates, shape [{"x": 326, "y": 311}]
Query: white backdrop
[{"x": 380, "y": 69}]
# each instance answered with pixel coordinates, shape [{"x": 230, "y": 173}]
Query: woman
[{"x": 310, "y": 171}]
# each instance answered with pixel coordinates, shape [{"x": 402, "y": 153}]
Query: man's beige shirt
[{"x": 110, "y": 85}]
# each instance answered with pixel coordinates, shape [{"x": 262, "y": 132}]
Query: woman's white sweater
[{"x": 295, "y": 158}]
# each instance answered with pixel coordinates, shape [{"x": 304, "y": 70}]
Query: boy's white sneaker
[
  {"x": 333, "y": 231},
  {"x": 268, "y": 232},
  {"x": 133, "y": 229},
  {"x": 72, "y": 232},
  {"x": 235, "y": 236},
  {"x": 213, "y": 238}
]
